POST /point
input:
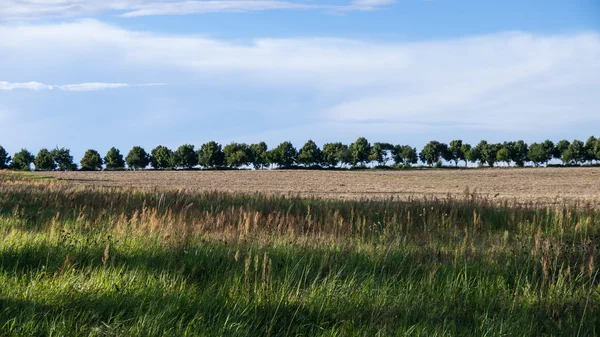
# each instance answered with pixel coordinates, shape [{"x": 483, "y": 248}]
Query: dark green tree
[
  {"x": 137, "y": 158},
  {"x": 360, "y": 151},
  {"x": 433, "y": 152},
  {"x": 456, "y": 151},
  {"x": 378, "y": 154},
  {"x": 597, "y": 149},
  {"x": 161, "y": 157},
  {"x": 519, "y": 153},
  {"x": 466, "y": 149},
  {"x": 185, "y": 157},
  {"x": 334, "y": 154},
  {"x": 211, "y": 155},
  {"x": 488, "y": 152},
  {"x": 237, "y": 154},
  {"x": 22, "y": 161},
  {"x": 63, "y": 159},
  {"x": 4, "y": 158},
  {"x": 560, "y": 148},
  {"x": 114, "y": 159},
  {"x": 537, "y": 154},
  {"x": 472, "y": 154},
  {"x": 504, "y": 155},
  {"x": 259, "y": 155},
  {"x": 404, "y": 154},
  {"x": 310, "y": 154},
  {"x": 575, "y": 153},
  {"x": 590, "y": 153},
  {"x": 284, "y": 155},
  {"x": 44, "y": 161},
  {"x": 91, "y": 161}
]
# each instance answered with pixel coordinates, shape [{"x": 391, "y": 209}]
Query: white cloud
[
  {"x": 34, "y": 9},
  {"x": 508, "y": 81},
  {"x": 70, "y": 87}
]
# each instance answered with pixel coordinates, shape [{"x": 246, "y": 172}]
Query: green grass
[{"x": 83, "y": 261}]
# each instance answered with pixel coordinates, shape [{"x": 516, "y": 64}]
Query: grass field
[{"x": 79, "y": 259}]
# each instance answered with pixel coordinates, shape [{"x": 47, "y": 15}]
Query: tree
[
  {"x": 161, "y": 157},
  {"x": 456, "y": 151},
  {"x": 560, "y": 148},
  {"x": 185, "y": 157},
  {"x": 114, "y": 159},
  {"x": 310, "y": 154},
  {"x": 404, "y": 154},
  {"x": 597, "y": 149},
  {"x": 378, "y": 154},
  {"x": 44, "y": 161},
  {"x": 137, "y": 158},
  {"x": 537, "y": 154},
  {"x": 335, "y": 153},
  {"x": 4, "y": 158},
  {"x": 22, "y": 161},
  {"x": 488, "y": 152},
  {"x": 211, "y": 155},
  {"x": 466, "y": 150},
  {"x": 433, "y": 152},
  {"x": 360, "y": 151},
  {"x": 63, "y": 159},
  {"x": 284, "y": 155},
  {"x": 590, "y": 153},
  {"x": 549, "y": 148},
  {"x": 519, "y": 153},
  {"x": 504, "y": 155},
  {"x": 575, "y": 153},
  {"x": 237, "y": 154},
  {"x": 91, "y": 161},
  {"x": 259, "y": 155},
  {"x": 472, "y": 154}
]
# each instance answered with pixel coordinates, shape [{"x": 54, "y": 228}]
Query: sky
[{"x": 95, "y": 74}]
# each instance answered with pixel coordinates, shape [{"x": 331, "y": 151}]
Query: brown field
[{"x": 541, "y": 185}]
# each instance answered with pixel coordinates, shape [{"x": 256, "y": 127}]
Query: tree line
[{"x": 358, "y": 154}]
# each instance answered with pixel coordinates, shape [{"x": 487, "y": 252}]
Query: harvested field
[{"x": 537, "y": 185}]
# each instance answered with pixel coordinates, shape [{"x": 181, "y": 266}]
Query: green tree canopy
[
  {"x": 161, "y": 157},
  {"x": 575, "y": 153},
  {"x": 404, "y": 154},
  {"x": 44, "y": 161},
  {"x": 335, "y": 154},
  {"x": 519, "y": 153},
  {"x": 211, "y": 155},
  {"x": 560, "y": 148},
  {"x": 589, "y": 148},
  {"x": 360, "y": 151},
  {"x": 259, "y": 155},
  {"x": 137, "y": 158},
  {"x": 114, "y": 159},
  {"x": 185, "y": 157},
  {"x": 237, "y": 154},
  {"x": 310, "y": 154},
  {"x": 284, "y": 155},
  {"x": 488, "y": 152},
  {"x": 22, "y": 160},
  {"x": 63, "y": 159},
  {"x": 433, "y": 151},
  {"x": 456, "y": 151},
  {"x": 91, "y": 161},
  {"x": 4, "y": 158},
  {"x": 470, "y": 154}
]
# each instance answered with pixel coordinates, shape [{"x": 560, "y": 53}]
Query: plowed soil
[{"x": 536, "y": 185}]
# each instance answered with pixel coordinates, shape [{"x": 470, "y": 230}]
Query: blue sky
[{"x": 89, "y": 74}]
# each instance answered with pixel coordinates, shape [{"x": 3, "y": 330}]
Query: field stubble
[{"x": 529, "y": 185}]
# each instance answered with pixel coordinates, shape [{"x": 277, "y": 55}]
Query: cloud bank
[
  {"x": 27, "y": 9},
  {"x": 507, "y": 82},
  {"x": 95, "y": 86}
]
